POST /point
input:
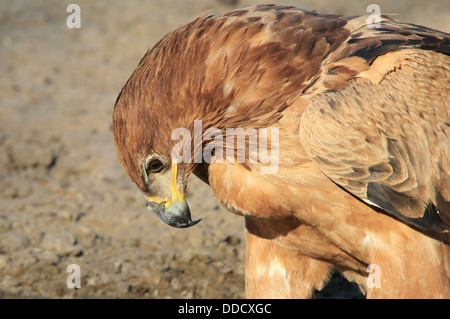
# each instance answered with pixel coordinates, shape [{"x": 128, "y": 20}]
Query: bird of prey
[{"x": 357, "y": 115}]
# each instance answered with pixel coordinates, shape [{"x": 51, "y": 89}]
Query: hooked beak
[
  {"x": 172, "y": 211},
  {"x": 177, "y": 215}
]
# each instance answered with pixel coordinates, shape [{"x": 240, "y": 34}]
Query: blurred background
[{"x": 65, "y": 199}]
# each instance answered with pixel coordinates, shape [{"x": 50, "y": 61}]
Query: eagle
[{"x": 328, "y": 134}]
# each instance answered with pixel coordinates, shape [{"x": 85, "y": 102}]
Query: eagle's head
[
  {"x": 146, "y": 113},
  {"x": 157, "y": 104},
  {"x": 142, "y": 135},
  {"x": 237, "y": 70}
]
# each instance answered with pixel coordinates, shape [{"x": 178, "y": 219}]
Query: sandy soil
[{"x": 65, "y": 199}]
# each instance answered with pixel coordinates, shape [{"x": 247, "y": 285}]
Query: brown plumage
[{"x": 363, "y": 176}]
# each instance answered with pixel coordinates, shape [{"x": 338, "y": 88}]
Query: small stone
[
  {"x": 13, "y": 240},
  {"x": 61, "y": 243}
]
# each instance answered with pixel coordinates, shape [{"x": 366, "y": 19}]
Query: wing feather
[{"x": 378, "y": 124}]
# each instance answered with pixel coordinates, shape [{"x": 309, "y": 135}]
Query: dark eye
[{"x": 155, "y": 166}]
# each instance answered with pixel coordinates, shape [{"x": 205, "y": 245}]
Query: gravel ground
[{"x": 65, "y": 199}]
